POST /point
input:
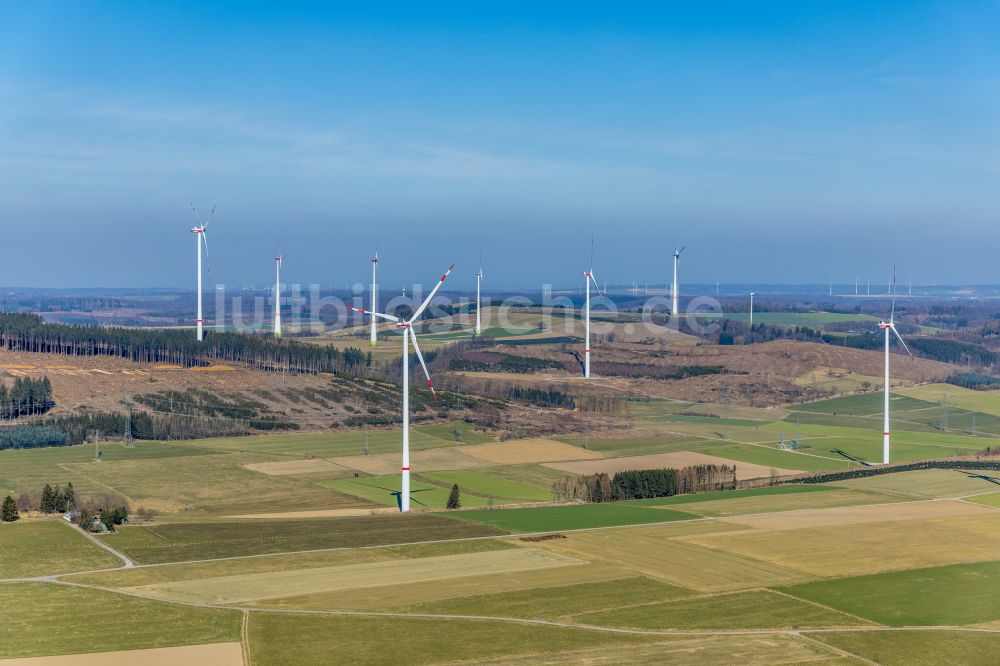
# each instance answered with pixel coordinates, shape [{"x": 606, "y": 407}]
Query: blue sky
[{"x": 780, "y": 141}]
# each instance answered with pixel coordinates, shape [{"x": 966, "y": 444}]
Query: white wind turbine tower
[
  {"x": 277, "y": 292},
  {"x": 408, "y": 334},
  {"x": 374, "y": 334},
  {"x": 674, "y": 306},
  {"x": 889, "y": 326},
  {"x": 200, "y": 238},
  {"x": 588, "y": 277},
  {"x": 479, "y": 303}
]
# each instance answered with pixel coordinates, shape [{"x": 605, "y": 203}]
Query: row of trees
[
  {"x": 653, "y": 370},
  {"x": 646, "y": 483},
  {"x": 32, "y": 437},
  {"x": 974, "y": 381},
  {"x": 92, "y": 512},
  {"x": 55, "y": 500},
  {"x": 497, "y": 362},
  {"x": 737, "y": 332},
  {"x": 27, "y": 397},
  {"x": 78, "y": 427},
  {"x": 31, "y": 333}
]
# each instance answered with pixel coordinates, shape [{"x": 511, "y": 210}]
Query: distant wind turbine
[
  {"x": 889, "y": 326},
  {"x": 588, "y": 277},
  {"x": 675, "y": 305},
  {"x": 374, "y": 332},
  {"x": 479, "y": 280},
  {"x": 277, "y": 292},
  {"x": 201, "y": 238},
  {"x": 408, "y": 333}
]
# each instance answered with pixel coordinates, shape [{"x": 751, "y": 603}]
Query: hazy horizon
[{"x": 781, "y": 142}]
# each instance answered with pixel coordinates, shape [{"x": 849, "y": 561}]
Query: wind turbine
[
  {"x": 479, "y": 280},
  {"x": 751, "y": 309},
  {"x": 408, "y": 333},
  {"x": 588, "y": 277},
  {"x": 277, "y": 292},
  {"x": 374, "y": 334},
  {"x": 201, "y": 237},
  {"x": 889, "y": 326},
  {"x": 675, "y": 308}
]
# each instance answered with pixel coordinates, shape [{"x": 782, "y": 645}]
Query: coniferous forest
[
  {"x": 31, "y": 333},
  {"x": 26, "y": 397}
]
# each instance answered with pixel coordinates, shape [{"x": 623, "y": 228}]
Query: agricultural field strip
[
  {"x": 705, "y": 519},
  {"x": 534, "y": 621},
  {"x": 710, "y": 595},
  {"x": 276, "y": 584},
  {"x": 771, "y": 447},
  {"x": 849, "y": 515}
]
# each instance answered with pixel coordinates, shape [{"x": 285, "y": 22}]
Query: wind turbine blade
[
  {"x": 892, "y": 310},
  {"x": 423, "y": 306},
  {"x": 900, "y": 337},
  {"x": 204, "y": 238},
  {"x": 681, "y": 251},
  {"x": 596, "y": 286},
  {"x": 210, "y": 214},
  {"x": 591, "y": 253},
  {"x": 420, "y": 357},
  {"x": 374, "y": 314},
  {"x": 196, "y": 216}
]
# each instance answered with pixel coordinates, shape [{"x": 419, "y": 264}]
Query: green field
[
  {"x": 351, "y": 443},
  {"x": 486, "y": 485},
  {"x": 907, "y": 412},
  {"x": 48, "y": 547},
  {"x": 985, "y": 402},
  {"x": 179, "y": 542},
  {"x": 930, "y": 483},
  {"x": 30, "y": 469},
  {"x": 572, "y": 517},
  {"x": 962, "y": 594},
  {"x": 282, "y": 639},
  {"x": 813, "y": 459},
  {"x": 211, "y": 486},
  {"x": 45, "y": 619},
  {"x": 742, "y": 610},
  {"x": 992, "y": 499},
  {"x": 918, "y": 647},
  {"x": 385, "y": 490},
  {"x": 558, "y": 602}
]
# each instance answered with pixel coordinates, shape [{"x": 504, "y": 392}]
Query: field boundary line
[
  {"x": 63, "y": 466},
  {"x": 692, "y": 597},
  {"x": 824, "y": 606},
  {"x": 838, "y": 650}
]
